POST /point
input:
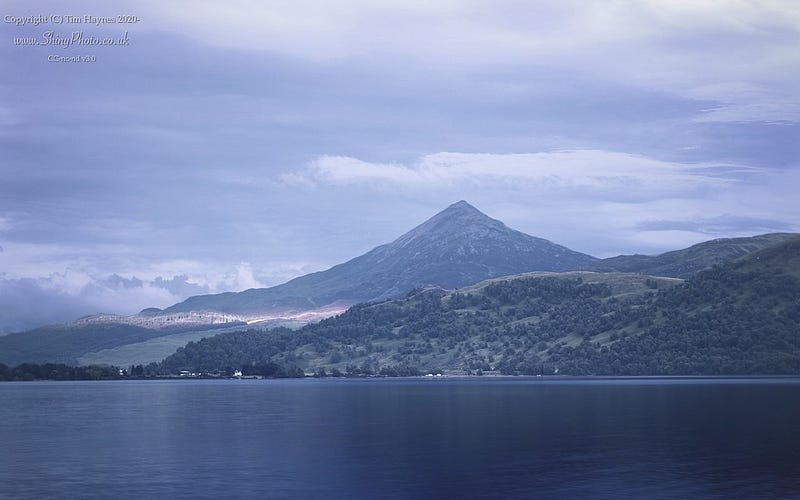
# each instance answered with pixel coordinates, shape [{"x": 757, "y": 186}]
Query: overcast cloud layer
[{"x": 239, "y": 144}]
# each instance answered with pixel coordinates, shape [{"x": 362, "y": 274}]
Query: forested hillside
[{"x": 738, "y": 318}]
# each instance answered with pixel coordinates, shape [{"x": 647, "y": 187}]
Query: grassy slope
[
  {"x": 68, "y": 343},
  {"x": 158, "y": 348},
  {"x": 64, "y": 344}
]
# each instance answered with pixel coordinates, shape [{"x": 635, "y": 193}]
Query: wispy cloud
[
  {"x": 722, "y": 224},
  {"x": 590, "y": 171},
  {"x": 686, "y": 48},
  {"x": 741, "y": 102}
]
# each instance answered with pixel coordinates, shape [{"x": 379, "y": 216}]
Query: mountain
[
  {"x": 684, "y": 263},
  {"x": 458, "y": 246},
  {"x": 740, "y": 317}
]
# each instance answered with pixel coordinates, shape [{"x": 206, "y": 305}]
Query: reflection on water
[{"x": 412, "y": 438}]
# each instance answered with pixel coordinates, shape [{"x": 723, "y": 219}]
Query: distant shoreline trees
[{"x": 58, "y": 371}]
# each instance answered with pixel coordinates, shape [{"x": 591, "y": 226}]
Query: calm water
[{"x": 411, "y": 438}]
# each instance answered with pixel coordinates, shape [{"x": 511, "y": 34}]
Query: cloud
[
  {"x": 741, "y": 102},
  {"x": 600, "y": 202},
  {"x": 685, "y": 48},
  {"x": 26, "y": 303},
  {"x": 179, "y": 286},
  {"x": 592, "y": 172},
  {"x": 722, "y": 224},
  {"x": 243, "y": 279},
  {"x": 31, "y": 302},
  {"x": 62, "y": 297}
]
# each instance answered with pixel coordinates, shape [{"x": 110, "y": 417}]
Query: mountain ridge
[{"x": 685, "y": 262}]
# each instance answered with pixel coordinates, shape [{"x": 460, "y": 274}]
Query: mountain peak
[
  {"x": 460, "y": 205},
  {"x": 461, "y": 209},
  {"x": 456, "y": 247},
  {"x": 458, "y": 218}
]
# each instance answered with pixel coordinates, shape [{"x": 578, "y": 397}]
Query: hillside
[
  {"x": 741, "y": 317},
  {"x": 477, "y": 327},
  {"x": 66, "y": 343},
  {"x": 738, "y": 318}
]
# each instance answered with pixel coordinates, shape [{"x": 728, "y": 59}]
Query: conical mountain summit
[{"x": 458, "y": 246}]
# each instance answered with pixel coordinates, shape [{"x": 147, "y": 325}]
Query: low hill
[
  {"x": 64, "y": 344},
  {"x": 688, "y": 261},
  {"x": 68, "y": 343}
]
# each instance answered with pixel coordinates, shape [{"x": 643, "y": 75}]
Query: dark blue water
[{"x": 412, "y": 438}]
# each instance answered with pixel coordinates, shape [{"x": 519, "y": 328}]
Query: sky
[{"x": 220, "y": 146}]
